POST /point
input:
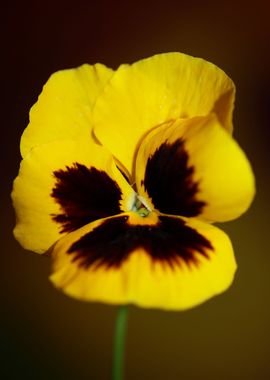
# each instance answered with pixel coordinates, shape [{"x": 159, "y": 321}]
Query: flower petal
[
  {"x": 64, "y": 108},
  {"x": 155, "y": 90},
  {"x": 192, "y": 167},
  {"x": 62, "y": 186},
  {"x": 154, "y": 262}
]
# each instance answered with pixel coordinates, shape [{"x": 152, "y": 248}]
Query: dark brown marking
[
  {"x": 123, "y": 174},
  {"x": 171, "y": 241},
  {"x": 168, "y": 181},
  {"x": 84, "y": 194}
]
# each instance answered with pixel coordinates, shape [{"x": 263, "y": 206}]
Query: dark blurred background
[{"x": 46, "y": 335}]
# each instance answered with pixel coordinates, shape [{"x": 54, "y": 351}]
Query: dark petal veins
[
  {"x": 169, "y": 183},
  {"x": 84, "y": 194},
  {"x": 171, "y": 241},
  {"x": 123, "y": 174}
]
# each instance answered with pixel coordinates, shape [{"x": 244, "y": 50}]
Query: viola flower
[{"x": 123, "y": 174}]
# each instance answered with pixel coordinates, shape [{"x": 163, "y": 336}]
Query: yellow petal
[
  {"x": 155, "y": 90},
  {"x": 64, "y": 108},
  {"x": 63, "y": 185},
  {"x": 153, "y": 262},
  {"x": 193, "y": 167}
]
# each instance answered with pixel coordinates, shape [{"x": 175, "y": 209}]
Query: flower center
[{"x": 141, "y": 206}]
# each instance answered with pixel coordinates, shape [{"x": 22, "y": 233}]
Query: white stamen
[
  {"x": 140, "y": 205},
  {"x": 144, "y": 202}
]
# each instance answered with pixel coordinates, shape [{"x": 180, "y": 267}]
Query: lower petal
[{"x": 153, "y": 262}]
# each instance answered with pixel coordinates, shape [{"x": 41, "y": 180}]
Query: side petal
[
  {"x": 62, "y": 186},
  {"x": 155, "y": 90},
  {"x": 153, "y": 262},
  {"x": 64, "y": 108},
  {"x": 193, "y": 167}
]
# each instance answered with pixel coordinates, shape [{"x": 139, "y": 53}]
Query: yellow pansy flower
[{"x": 123, "y": 174}]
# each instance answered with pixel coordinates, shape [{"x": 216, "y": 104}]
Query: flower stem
[{"x": 119, "y": 342}]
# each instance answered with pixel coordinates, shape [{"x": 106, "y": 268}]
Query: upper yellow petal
[
  {"x": 64, "y": 108},
  {"x": 155, "y": 90}
]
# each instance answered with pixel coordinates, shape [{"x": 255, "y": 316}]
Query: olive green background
[{"x": 46, "y": 335}]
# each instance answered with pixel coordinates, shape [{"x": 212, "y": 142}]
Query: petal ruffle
[
  {"x": 155, "y": 90},
  {"x": 154, "y": 262},
  {"x": 64, "y": 108},
  {"x": 63, "y": 185},
  {"x": 192, "y": 167}
]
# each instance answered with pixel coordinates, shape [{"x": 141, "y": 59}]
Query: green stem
[{"x": 119, "y": 342}]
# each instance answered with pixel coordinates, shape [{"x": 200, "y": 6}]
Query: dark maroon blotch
[
  {"x": 84, "y": 194},
  {"x": 171, "y": 241},
  {"x": 168, "y": 181}
]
